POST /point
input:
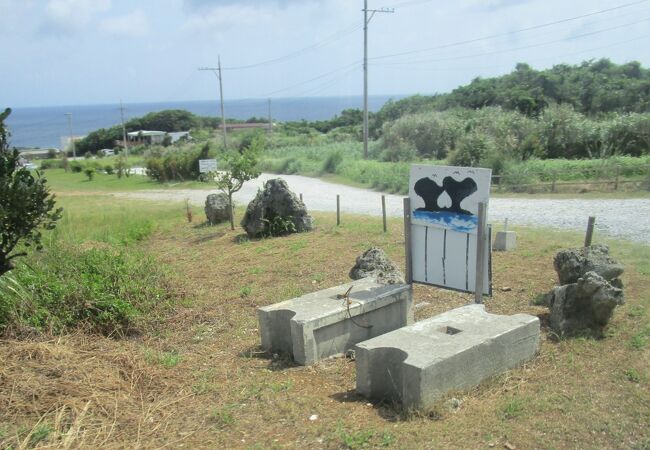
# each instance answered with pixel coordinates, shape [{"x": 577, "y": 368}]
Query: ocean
[{"x": 43, "y": 127}]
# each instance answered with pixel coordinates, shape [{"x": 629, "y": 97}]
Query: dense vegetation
[
  {"x": 591, "y": 88},
  {"x": 596, "y": 110}
]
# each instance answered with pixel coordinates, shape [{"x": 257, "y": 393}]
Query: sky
[{"x": 68, "y": 52}]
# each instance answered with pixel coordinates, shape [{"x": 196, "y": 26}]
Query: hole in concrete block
[{"x": 450, "y": 330}]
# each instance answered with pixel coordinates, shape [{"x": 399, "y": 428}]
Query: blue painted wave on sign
[{"x": 450, "y": 220}]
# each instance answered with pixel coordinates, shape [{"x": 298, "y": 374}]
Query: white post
[
  {"x": 408, "y": 266},
  {"x": 480, "y": 253}
]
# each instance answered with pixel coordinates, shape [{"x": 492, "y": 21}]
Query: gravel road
[{"x": 623, "y": 218}]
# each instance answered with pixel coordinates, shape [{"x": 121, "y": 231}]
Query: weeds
[
  {"x": 245, "y": 291},
  {"x": 165, "y": 359},
  {"x": 223, "y": 416},
  {"x": 632, "y": 375},
  {"x": 103, "y": 288},
  {"x": 513, "y": 409}
]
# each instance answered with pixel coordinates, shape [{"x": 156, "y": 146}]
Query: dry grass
[{"x": 200, "y": 380}]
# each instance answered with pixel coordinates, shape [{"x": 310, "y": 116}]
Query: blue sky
[{"x": 58, "y": 52}]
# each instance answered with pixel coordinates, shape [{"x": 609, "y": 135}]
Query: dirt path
[{"x": 623, "y": 218}]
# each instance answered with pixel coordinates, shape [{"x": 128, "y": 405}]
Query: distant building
[
  {"x": 179, "y": 135},
  {"x": 156, "y": 137},
  {"x": 146, "y": 137},
  {"x": 107, "y": 152}
]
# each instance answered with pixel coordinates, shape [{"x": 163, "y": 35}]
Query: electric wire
[
  {"x": 525, "y": 47},
  {"x": 331, "y": 38},
  {"x": 521, "y": 30}
]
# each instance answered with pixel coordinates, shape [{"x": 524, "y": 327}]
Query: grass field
[
  {"x": 61, "y": 181},
  {"x": 196, "y": 377}
]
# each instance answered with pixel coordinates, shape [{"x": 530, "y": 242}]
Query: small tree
[
  {"x": 26, "y": 204},
  {"x": 242, "y": 166}
]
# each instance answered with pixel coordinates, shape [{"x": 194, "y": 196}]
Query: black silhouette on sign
[{"x": 430, "y": 191}]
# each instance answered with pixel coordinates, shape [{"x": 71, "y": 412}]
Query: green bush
[
  {"x": 105, "y": 289},
  {"x": 332, "y": 161},
  {"x": 473, "y": 149},
  {"x": 76, "y": 167},
  {"x": 176, "y": 164}
]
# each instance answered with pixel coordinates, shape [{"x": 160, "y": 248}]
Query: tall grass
[{"x": 90, "y": 272}]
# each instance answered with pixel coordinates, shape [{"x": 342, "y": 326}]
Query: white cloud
[
  {"x": 66, "y": 16},
  {"x": 229, "y": 16},
  {"x": 133, "y": 24}
]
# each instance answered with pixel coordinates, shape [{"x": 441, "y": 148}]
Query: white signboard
[
  {"x": 207, "y": 165},
  {"x": 444, "y": 219}
]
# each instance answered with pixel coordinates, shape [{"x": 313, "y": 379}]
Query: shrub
[
  {"x": 280, "y": 226},
  {"x": 332, "y": 161},
  {"x": 90, "y": 173},
  {"x": 105, "y": 289},
  {"x": 76, "y": 167},
  {"x": 473, "y": 149},
  {"x": 26, "y": 205},
  {"x": 109, "y": 169}
]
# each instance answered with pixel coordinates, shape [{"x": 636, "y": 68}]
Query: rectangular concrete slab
[
  {"x": 319, "y": 325},
  {"x": 458, "y": 349}
]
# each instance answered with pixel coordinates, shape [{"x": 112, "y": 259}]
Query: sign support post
[
  {"x": 408, "y": 269},
  {"x": 480, "y": 253}
]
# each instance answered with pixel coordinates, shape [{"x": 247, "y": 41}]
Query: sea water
[{"x": 43, "y": 127}]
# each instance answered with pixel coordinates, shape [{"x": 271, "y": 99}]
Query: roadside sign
[
  {"x": 444, "y": 221},
  {"x": 207, "y": 165}
]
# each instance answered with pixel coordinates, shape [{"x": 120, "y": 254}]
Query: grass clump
[
  {"x": 105, "y": 289},
  {"x": 165, "y": 359}
]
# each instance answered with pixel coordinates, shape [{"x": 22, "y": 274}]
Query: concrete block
[
  {"x": 318, "y": 325},
  {"x": 505, "y": 241},
  {"x": 456, "y": 350}
]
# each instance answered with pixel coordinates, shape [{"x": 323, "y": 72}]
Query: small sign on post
[{"x": 207, "y": 165}]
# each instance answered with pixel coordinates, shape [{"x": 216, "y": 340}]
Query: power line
[
  {"x": 331, "y": 38},
  {"x": 477, "y": 69},
  {"x": 521, "y": 30},
  {"x": 269, "y": 94},
  {"x": 525, "y": 47}
]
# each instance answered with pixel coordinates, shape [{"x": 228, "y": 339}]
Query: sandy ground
[{"x": 622, "y": 218}]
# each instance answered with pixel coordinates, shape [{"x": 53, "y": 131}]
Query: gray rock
[
  {"x": 217, "y": 208},
  {"x": 272, "y": 202},
  {"x": 584, "y": 307},
  {"x": 574, "y": 263},
  {"x": 374, "y": 263}
]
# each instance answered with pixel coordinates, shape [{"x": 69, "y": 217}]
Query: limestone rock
[
  {"x": 574, "y": 263},
  {"x": 217, "y": 208},
  {"x": 374, "y": 263},
  {"x": 273, "y": 202},
  {"x": 584, "y": 307}
]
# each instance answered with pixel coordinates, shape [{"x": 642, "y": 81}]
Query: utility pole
[
  {"x": 366, "y": 21},
  {"x": 126, "y": 142},
  {"x": 74, "y": 151},
  {"x": 270, "y": 120},
  {"x": 217, "y": 72}
]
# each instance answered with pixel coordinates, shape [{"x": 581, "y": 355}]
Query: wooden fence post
[
  {"x": 618, "y": 173},
  {"x": 590, "y": 231},
  {"x": 554, "y": 180},
  {"x": 301, "y": 196},
  {"x": 383, "y": 210},
  {"x": 338, "y": 210}
]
